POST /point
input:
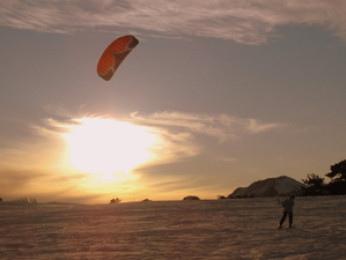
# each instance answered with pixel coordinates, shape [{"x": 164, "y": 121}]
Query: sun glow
[{"x": 108, "y": 148}]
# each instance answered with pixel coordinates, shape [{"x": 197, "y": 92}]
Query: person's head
[{"x": 292, "y": 196}]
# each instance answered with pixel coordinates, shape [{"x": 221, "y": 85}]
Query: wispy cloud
[
  {"x": 180, "y": 135},
  {"x": 244, "y": 21},
  {"x": 222, "y": 126},
  {"x": 169, "y": 146}
]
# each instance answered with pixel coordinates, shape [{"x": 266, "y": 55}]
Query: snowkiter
[{"x": 288, "y": 205}]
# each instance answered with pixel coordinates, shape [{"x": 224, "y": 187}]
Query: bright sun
[{"x": 107, "y": 147}]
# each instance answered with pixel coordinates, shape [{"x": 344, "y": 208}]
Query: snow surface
[{"x": 222, "y": 229}]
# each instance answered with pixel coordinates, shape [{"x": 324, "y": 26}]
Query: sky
[{"x": 216, "y": 95}]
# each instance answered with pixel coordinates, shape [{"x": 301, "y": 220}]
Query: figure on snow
[{"x": 288, "y": 205}]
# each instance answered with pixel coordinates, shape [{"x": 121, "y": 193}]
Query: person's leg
[
  {"x": 291, "y": 219},
  {"x": 283, "y": 218}
]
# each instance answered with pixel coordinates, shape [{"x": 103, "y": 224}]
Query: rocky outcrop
[
  {"x": 280, "y": 186},
  {"x": 191, "y": 197}
]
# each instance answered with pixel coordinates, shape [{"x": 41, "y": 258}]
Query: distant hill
[
  {"x": 279, "y": 186},
  {"x": 191, "y": 197}
]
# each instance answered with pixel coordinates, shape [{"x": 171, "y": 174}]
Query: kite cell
[{"x": 114, "y": 54}]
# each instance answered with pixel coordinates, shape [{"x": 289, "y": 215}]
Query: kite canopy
[{"x": 114, "y": 54}]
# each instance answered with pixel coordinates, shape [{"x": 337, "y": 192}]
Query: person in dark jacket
[{"x": 288, "y": 205}]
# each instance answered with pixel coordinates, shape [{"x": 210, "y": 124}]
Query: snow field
[{"x": 222, "y": 229}]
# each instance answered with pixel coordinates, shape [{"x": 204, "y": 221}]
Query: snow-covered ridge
[{"x": 279, "y": 186}]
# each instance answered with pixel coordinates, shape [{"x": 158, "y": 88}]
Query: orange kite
[{"x": 114, "y": 54}]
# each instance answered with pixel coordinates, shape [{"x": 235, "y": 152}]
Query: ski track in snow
[{"x": 223, "y": 229}]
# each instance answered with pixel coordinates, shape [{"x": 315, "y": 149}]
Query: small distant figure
[{"x": 288, "y": 205}]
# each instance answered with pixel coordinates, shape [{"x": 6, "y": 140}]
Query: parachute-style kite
[{"x": 114, "y": 54}]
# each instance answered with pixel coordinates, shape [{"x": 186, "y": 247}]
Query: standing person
[{"x": 288, "y": 205}]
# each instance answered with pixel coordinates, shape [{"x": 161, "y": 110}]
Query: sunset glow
[
  {"x": 108, "y": 148},
  {"x": 215, "y": 95}
]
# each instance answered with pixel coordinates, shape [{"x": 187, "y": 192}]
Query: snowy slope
[
  {"x": 197, "y": 230},
  {"x": 280, "y": 186}
]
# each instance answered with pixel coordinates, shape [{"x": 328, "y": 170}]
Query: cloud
[
  {"x": 178, "y": 135},
  {"x": 168, "y": 146},
  {"x": 40, "y": 169},
  {"x": 222, "y": 126},
  {"x": 244, "y": 21}
]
